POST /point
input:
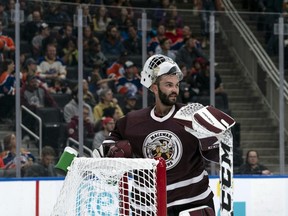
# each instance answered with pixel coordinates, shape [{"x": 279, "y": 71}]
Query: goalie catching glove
[
  {"x": 208, "y": 124},
  {"x": 122, "y": 149}
]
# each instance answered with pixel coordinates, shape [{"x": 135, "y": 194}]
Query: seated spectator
[
  {"x": 72, "y": 108},
  {"x": 37, "y": 47},
  {"x": 133, "y": 44},
  {"x": 202, "y": 82},
  {"x": 172, "y": 32},
  {"x": 23, "y": 57},
  {"x": 59, "y": 86},
  {"x": 108, "y": 125},
  {"x": 155, "y": 38},
  {"x": 4, "y": 16},
  {"x": 65, "y": 32},
  {"x": 87, "y": 14},
  {"x": 51, "y": 39},
  {"x": 187, "y": 88},
  {"x": 197, "y": 65},
  {"x": 130, "y": 103},
  {"x": 106, "y": 100},
  {"x": 88, "y": 97},
  {"x": 33, "y": 25},
  {"x": 8, "y": 50},
  {"x": 30, "y": 68},
  {"x": 252, "y": 165},
  {"x": 188, "y": 53},
  {"x": 172, "y": 13},
  {"x": 69, "y": 52},
  {"x": 9, "y": 154},
  {"x": 112, "y": 112},
  {"x": 33, "y": 6},
  {"x": 111, "y": 44},
  {"x": 164, "y": 48},
  {"x": 56, "y": 14},
  {"x": 101, "y": 19},
  {"x": 33, "y": 95},
  {"x": 130, "y": 82},
  {"x": 7, "y": 90},
  {"x": 94, "y": 55},
  {"x": 88, "y": 126},
  {"x": 161, "y": 10},
  {"x": 51, "y": 65},
  {"x": 88, "y": 36},
  {"x": 117, "y": 9},
  {"x": 124, "y": 24},
  {"x": 45, "y": 166},
  {"x": 97, "y": 82},
  {"x": 10, "y": 7},
  {"x": 116, "y": 70},
  {"x": 186, "y": 34}
]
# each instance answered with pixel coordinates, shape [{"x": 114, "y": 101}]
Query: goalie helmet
[{"x": 156, "y": 66}]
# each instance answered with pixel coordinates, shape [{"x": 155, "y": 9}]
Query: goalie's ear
[{"x": 213, "y": 119}]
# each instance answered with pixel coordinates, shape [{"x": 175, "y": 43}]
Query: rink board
[{"x": 252, "y": 195}]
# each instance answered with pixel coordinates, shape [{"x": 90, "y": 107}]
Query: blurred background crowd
[{"x": 112, "y": 58}]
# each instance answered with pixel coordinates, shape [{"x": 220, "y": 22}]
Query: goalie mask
[{"x": 156, "y": 66}]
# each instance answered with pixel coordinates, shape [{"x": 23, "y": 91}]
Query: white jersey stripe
[
  {"x": 187, "y": 182},
  {"x": 191, "y": 199}
]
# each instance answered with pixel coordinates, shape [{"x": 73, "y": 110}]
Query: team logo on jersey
[{"x": 165, "y": 144}]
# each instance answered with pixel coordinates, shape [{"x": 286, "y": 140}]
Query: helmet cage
[{"x": 156, "y": 66}]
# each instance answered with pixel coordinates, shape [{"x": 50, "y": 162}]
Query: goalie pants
[{"x": 175, "y": 210}]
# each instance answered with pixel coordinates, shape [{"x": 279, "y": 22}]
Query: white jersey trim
[
  {"x": 191, "y": 199},
  {"x": 164, "y": 118},
  {"x": 187, "y": 182},
  {"x": 108, "y": 141}
]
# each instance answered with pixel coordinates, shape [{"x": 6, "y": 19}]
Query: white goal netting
[{"x": 113, "y": 186}]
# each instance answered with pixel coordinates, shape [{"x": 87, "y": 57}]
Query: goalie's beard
[{"x": 164, "y": 98}]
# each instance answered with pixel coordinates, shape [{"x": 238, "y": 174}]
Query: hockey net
[{"x": 113, "y": 186}]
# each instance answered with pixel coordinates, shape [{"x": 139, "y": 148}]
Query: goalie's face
[{"x": 166, "y": 89}]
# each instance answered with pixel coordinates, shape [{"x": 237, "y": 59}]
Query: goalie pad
[
  {"x": 199, "y": 211},
  {"x": 208, "y": 124}
]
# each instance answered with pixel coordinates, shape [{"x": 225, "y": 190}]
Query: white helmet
[{"x": 156, "y": 66}]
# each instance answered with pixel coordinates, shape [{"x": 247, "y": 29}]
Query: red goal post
[{"x": 113, "y": 186}]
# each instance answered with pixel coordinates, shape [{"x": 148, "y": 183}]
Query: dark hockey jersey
[{"x": 151, "y": 136}]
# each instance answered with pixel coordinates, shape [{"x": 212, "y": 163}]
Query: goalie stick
[{"x": 209, "y": 124}]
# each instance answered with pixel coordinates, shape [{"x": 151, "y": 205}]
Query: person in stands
[
  {"x": 88, "y": 125},
  {"x": 7, "y": 90},
  {"x": 34, "y": 95},
  {"x": 44, "y": 167},
  {"x": 9, "y": 155},
  {"x": 108, "y": 125},
  {"x": 106, "y": 101},
  {"x": 252, "y": 165}
]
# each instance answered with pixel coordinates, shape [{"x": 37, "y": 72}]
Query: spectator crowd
[{"x": 112, "y": 49}]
